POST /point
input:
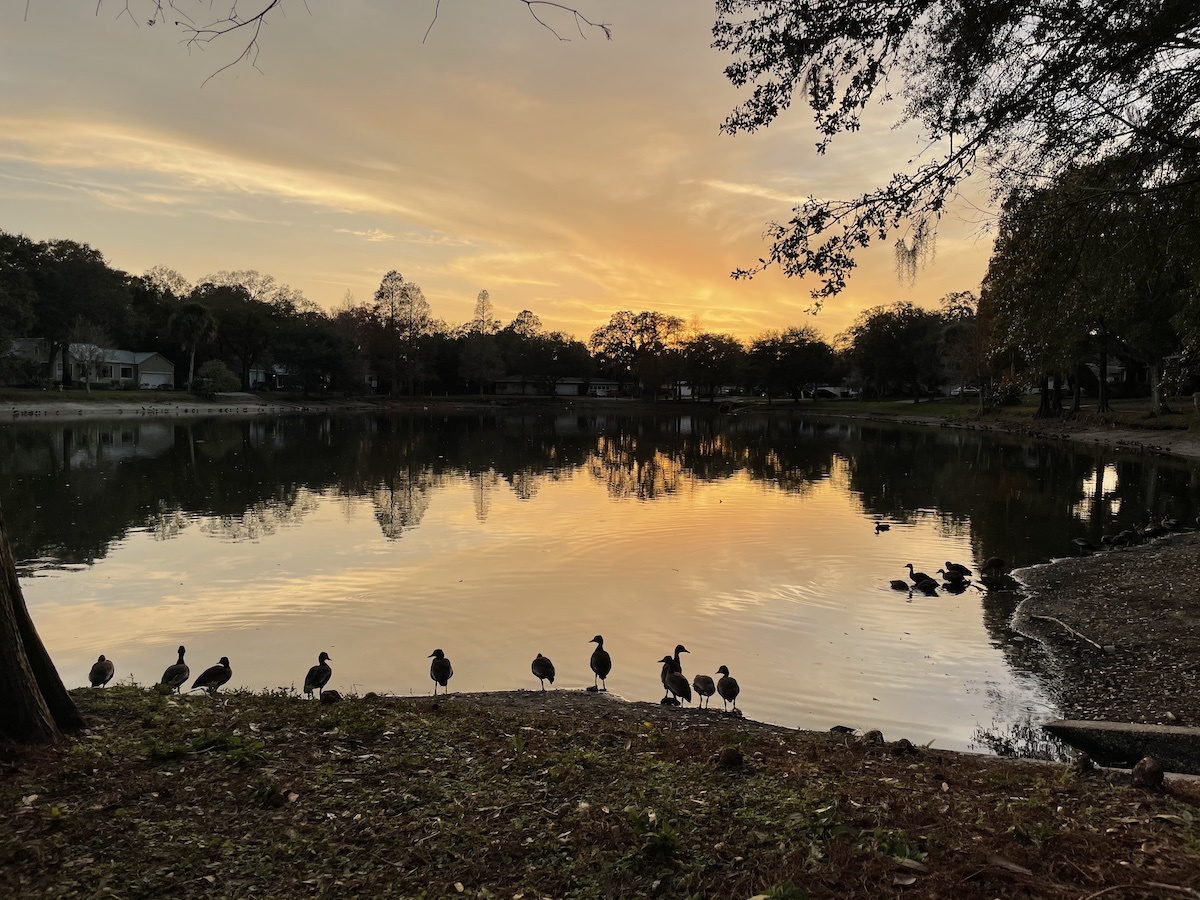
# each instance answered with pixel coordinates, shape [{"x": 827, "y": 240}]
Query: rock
[
  {"x": 328, "y": 697},
  {"x": 903, "y": 747},
  {"x": 1084, "y": 765},
  {"x": 1148, "y": 774},
  {"x": 874, "y": 736},
  {"x": 730, "y": 758}
]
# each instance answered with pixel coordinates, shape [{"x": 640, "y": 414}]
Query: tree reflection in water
[{"x": 71, "y": 492}]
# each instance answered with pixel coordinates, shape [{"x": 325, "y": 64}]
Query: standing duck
[
  {"x": 672, "y": 665},
  {"x": 727, "y": 687},
  {"x": 175, "y": 676},
  {"x": 601, "y": 663},
  {"x": 543, "y": 670},
  {"x": 674, "y": 681},
  {"x": 102, "y": 672},
  {"x": 214, "y": 676},
  {"x": 318, "y": 676},
  {"x": 704, "y": 688},
  {"x": 959, "y": 568},
  {"x": 440, "y": 670}
]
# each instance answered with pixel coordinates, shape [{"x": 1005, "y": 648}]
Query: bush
[{"x": 214, "y": 377}]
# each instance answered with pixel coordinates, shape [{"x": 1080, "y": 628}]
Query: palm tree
[{"x": 192, "y": 324}]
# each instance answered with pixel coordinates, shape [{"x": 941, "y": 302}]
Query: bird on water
[
  {"x": 601, "y": 663},
  {"x": 958, "y": 567},
  {"x": 674, "y": 681},
  {"x": 916, "y": 577},
  {"x": 672, "y": 664},
  {"x": 727, "y": 687},
  {"x": 102, "y": 672},
  {"x": 175, "y": 676},
  {"x": 440, "y": 670},
  {"x": 704, "y": 688},
  {"x": 952, "y": 577},
  {"x": 543, "y": 670},
  {"x": 214, "y": 676},
  {"x": 318, "y": 676},
  {"x": 898, "y": 585}
]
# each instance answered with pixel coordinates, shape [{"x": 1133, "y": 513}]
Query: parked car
[{"x": 967, "y": 390}]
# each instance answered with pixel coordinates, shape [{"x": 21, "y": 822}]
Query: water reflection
[{"x": 751, "y": 540}]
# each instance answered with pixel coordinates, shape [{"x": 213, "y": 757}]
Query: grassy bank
[{"x": 557, "y": 795}]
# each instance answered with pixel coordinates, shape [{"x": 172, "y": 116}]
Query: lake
[{"x": 497, "y": 536}]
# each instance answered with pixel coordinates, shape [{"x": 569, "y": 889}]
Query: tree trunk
[
  {"x": 1157, "y": 404},
  {"x": 191, "y": 366},
  {"x": 34, "y": 705},
  {"x": 1043, "y": 410},
  {"x": 1102, "y": 394}
]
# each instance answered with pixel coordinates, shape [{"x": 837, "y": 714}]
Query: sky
[{"x": 572, "y": 178}]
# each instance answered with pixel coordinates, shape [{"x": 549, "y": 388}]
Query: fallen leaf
[
  {"x": 915, "y": 865},
  {"x": 997, "y": 860},
  {"x": 904, "y": 880}
]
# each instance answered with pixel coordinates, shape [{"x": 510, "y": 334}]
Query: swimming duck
[
  {"x": 958, "y": 567},
  {"x": 915, "y": 577}
]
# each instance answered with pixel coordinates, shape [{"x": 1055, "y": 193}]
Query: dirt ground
[{"x": 1142, "y": 607}]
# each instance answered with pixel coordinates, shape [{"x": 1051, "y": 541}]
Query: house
[
  {"x": 520, "y": 385},
  {"x": 145, "y": 369}
]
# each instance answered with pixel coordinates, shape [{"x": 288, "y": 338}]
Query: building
[
  {"x": 146, "y": 369},
  {"x": 520, "y": 385}
]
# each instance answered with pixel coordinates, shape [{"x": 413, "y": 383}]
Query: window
[{"x": 126, "y": 371}]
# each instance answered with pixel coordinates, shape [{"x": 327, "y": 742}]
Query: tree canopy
[{"x": 1018, "y": 90}]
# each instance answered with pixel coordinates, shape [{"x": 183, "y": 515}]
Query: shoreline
[
  {"x": 1138, "y": 660},
  {"x": 1178, "y": 442},
  {"x": 1132, "y": 600}
]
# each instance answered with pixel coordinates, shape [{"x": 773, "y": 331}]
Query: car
[{"x": 968, "y": 390}]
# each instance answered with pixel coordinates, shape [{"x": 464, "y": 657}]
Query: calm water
[{"x": 749, "y": 540}]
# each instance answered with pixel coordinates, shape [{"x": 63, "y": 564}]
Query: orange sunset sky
[{"x": 572, "y": 178}]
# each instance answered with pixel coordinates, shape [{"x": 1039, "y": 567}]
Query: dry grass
[{"x": 556, "y": 795}]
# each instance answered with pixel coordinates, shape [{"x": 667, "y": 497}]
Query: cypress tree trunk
[
  {"x": 1102, "y": 394},
  {"x": 34, "y": 705},
  {"x": 1043, "y": 410}
]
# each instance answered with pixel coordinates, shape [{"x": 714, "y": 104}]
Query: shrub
[{"x": 214, "y": 377}]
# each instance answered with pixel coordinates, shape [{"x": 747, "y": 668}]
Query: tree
[
  {"x": 712, "y": 360},
  {"x": 484, "y": 320},
  {"x": 192, "y": 325},
  {"x": 72, "y": 282},
  {"x": 17, "y": 294},
  {"x": 244, "y": 325},
  {"x": 1021, "y": 90},
  {"x": 895, "y": 347},
  {"x": 786, "y": 361},
  {"x": 480, "y": 361},
  {"x": 34, "y": 705},
  {"x": 1078, "y": 272},
  {"x": 404, "y": 316},
  {"x": 638, "y": 345},
  {"x": 168, "y": 281},
  {"x": 88, "y": 347}
]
